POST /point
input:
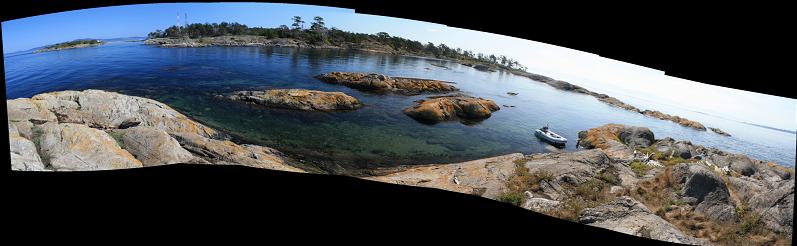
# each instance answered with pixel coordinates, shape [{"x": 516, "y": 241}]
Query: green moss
[
  {"x": 639, "y": 168},
  {"x": 513, "y": 197},
  {"x": 119, "y": 137}
]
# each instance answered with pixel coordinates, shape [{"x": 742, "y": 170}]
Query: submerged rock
[
  {"x": 720, "y": 132},
  {"x": 382, "y": 83},
  {"x": 445, "y": 108},
  {"x": 300, "y": 99}
]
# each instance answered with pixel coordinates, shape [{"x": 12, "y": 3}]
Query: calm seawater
[{"x": 376, "y": 135}]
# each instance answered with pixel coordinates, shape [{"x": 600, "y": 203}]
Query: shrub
[
  {"x": 639, "y": 168},
  {"x": 512, "y": 197}
]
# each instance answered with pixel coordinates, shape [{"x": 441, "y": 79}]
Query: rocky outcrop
[
  {"x": 152, "y": 146},
  {"x": 446, "y": 108},
  {"x": 225, "y": 152},
  {"x": 616, "y": 140},
  {"x": 484, "y": 177},
  {"x": 99, "y": 130},
  {"x": 776, "y": 207},
  {"x": 76, "y": 147},
  {"x": 381, "y": 83},
  {"x": 676, "y": 119},
  {"x": 299, "y": 99},
  {"x": 24, "y": 154},
  {"x": 629, "y": 216},
  {"x": 706, "y": 191},
  {"x": 718, "y": 131}
]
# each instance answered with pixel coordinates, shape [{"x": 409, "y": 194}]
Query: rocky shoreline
[
  {"x": 250, "y": 40},
  {"x": 628, "y": 181},
  {"x": 562, "y": 85},
  {"x": 98, "y": 130},
  {"x": 625, "y": 180}
]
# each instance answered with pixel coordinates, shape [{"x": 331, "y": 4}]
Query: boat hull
[{"x": 550, "y": 140}]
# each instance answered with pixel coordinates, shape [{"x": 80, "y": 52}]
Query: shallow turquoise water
[{"x": 376, "y": 135}]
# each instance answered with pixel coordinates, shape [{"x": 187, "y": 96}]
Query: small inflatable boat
[{"x": 550, "y": 136}]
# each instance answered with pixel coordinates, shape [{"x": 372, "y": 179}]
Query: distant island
[
  {"x": 72, "y": 45},
  {"x": 319, "y": 36}
]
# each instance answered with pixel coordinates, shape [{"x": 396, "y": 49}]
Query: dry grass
[
  {"x": 589, "y": 194},
  {"x": 659, "y": 195},
  {"x": 523, "y": 180}
]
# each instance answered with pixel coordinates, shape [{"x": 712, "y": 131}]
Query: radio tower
[
  {"x": 185, "y": 22},
  {"x": 178, "y": 20}
]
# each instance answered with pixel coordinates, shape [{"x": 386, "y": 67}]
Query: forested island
[
  {"x": 83, "y": 43},
  {"x": 318, "y": 35}
]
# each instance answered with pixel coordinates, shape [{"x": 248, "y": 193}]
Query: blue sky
[{"x": 589, "y": 70}]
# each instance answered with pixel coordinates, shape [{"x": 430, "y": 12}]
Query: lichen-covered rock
[
  {"x": 446, "y": 108},
  {"x": 629, "y": 216},
  {"x": 76, "y": 147},
  {"x": 300, "y": 99},
  {"x": 382, "y": 83},
  {"x": 607, "y": 138},
  {"x": 152, "y": 146}
]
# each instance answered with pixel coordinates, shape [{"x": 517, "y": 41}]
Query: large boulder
[
  {"x": 707, "y": 191},
  {"x": 635, "y": 136},
  {"x": 607, "y": 138},
  {"x": 629, "y": 216},
  {"x": 75, "y": 147},
  {"x": 24, "y": 155},
  {"x": 776, "y": 207},
  {"x": 300, "y": 99},
  {"x": 382, "y": 83},
  {"x": 670, "y": 147},
  {"x": 446, "y": 108},
  {"x": 152, "y": 146}
]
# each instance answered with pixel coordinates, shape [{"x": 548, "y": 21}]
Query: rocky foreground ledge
[
  {"x": 98, "y": 130},
  {"x": 299, "y": 99},
  {"x": 382, "y": 83},
  {"x": 630, "y": 182}
]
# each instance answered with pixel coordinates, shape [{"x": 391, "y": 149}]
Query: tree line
[{"x": 319, "y": 34}]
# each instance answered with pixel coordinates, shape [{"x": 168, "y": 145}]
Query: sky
[{"x": 585, "y": 69}]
